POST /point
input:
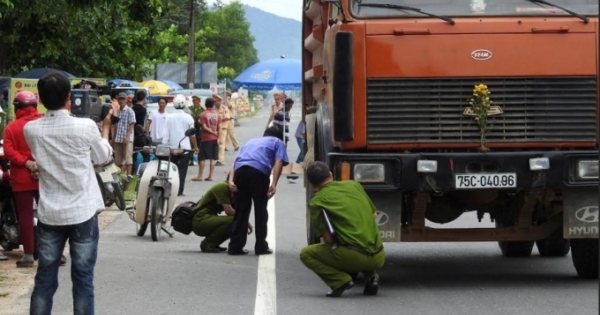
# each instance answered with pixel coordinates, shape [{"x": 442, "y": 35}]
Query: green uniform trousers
[
  {"x": 332, "y": 265},
  {"x": 215, "y": 228}
]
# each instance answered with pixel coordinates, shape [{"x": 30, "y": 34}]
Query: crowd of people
[{"x": 52, "y": 161}]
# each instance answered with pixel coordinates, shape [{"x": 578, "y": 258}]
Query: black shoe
[
  {"x": 356, "y": 277},
  {"x": 371, "y": 287},
  {"x": 209, "y": 249},
  {"x": 339, "y": 291},
  {"x": 223, "y": 249},
  {"x": 219, "y": 164},
  {"x": 237, "y": 252},
  {"x": 267, "y": 251},
  {"x": 236, "y": 149}
]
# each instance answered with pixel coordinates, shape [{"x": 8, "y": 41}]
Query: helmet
[
  {"x": 24, "y": 99},
  {"x": 179, "y": 101}
]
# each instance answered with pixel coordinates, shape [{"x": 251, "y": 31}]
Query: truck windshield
[{"x": 467, "y": 8}]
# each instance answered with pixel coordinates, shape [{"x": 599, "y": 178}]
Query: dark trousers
[
  {"x": 182, "y": 162},
  {"x": 253, "y": 186}
]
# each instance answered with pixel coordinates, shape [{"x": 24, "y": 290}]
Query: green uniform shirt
[
  {"x": 350, "y": 211},
  {"x": 211, "y": 203}
]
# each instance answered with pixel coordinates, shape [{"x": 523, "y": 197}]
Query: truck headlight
[
  {"x": 427, "y": 166},
  {"x": 369, "y": 172},
  {"x": 162, "y": 150},
  {"x": 587, "y": 169}
]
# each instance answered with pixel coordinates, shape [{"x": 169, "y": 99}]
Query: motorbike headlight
[
  {"x": 162, "y": 150},
  {"x": 587, "y": 169},
  {"x": 369, "y": 172}
]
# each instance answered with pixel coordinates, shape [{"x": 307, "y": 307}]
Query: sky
[{"x": 287, "y": 8}]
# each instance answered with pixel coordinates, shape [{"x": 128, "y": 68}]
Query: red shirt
[
  {"x": 17, "y": 151},
  {"x": 211, "y": 119}
]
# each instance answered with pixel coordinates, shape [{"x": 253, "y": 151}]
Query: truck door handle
[
  {"x": 562, "y": 29},
  {"x": 411, "y": 31}
]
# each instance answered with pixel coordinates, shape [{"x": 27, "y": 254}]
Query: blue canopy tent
[
  {"x": 122, "y": 82},
  {"x": 37, "y": 73},
  {"x": 283, "y": 74}
]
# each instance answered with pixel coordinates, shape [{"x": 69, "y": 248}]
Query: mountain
[{"x": 274, "y": 35}]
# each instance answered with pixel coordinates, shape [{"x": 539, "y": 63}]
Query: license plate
[{"x": 478, "y": 181}]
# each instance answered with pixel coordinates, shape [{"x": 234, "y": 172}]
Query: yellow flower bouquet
[{"x": 480, "y": 104}]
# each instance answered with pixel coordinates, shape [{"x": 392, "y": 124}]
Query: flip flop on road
[
  {"x": 208, "y": 179},
  {"x": 196, "y": 179}
]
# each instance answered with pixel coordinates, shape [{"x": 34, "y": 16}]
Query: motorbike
[
  {"x": 156, "y": 190},
  {"x": 9, "y": 217},
  {"x": 110, "y": 184}
]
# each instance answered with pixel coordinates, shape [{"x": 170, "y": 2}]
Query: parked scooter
[
  {"x": 110, "y": 185},
  {"x": 158, "y": 179},
  {"x": 9, "y": 217}
]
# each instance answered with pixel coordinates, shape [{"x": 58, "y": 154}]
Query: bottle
[{"x": 195, "y": 158}]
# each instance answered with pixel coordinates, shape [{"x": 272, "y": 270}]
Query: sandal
[
  {"x": 208, "y": 179},
  {"x": 196, "y": 179}
]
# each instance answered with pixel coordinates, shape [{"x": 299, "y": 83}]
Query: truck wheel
[
  {"x": 554, "y": 246},
  {"x": 585, "y": 257},
  {"x": 516, "y": 249}
]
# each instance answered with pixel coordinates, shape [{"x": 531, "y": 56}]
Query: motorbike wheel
[
  {"x": 156, "y": 214},
  {"x": 140, "y": 229},
  {"x": 119, "y": 196},
  {"x": 102, "y": 190}
]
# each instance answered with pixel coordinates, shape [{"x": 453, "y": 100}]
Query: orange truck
[{"x": 392, "y": 83}]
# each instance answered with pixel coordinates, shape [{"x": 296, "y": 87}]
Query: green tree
[
  {"x": 230, "y": 39},
  {"x": 226, "y": 73}
]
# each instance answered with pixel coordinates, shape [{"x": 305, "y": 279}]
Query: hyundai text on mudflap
[{"x": 444, "y": 107}]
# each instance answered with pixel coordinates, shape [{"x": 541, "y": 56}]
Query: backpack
[{"x": 181, "y": 219}]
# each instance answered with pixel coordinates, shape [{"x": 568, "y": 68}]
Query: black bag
[{"x": 181, "y": 219}]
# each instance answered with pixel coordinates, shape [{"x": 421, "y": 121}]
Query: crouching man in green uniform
[
  {"x": 208, "y": 223},
  {"x": 356, "y": 246}
]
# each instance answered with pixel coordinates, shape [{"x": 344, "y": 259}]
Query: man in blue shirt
[{"x": 249, "y": 178}]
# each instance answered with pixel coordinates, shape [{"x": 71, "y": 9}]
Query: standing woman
[{"x": 22, "y": 166}]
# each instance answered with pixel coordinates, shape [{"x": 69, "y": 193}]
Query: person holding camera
[{"x": 65, "y": 149}]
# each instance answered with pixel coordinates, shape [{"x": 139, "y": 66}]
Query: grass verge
[{"x": 129, "y": 194}]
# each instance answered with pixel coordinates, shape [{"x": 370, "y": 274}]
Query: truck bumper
[{"x": 400, "y": 172}]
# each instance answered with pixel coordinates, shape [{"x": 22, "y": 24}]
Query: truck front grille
[{"x": 536, "y": 109}]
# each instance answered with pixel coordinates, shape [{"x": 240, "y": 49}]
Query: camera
[{"x": 86, "y": 102}]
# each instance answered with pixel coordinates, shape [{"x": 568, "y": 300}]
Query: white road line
[{"x": 266, "y": 284}]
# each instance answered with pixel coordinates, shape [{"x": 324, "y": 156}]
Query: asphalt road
[{"x": 137, "y": 276}]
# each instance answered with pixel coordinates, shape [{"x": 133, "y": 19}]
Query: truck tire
[
  {"x": 516, "y": 249},
  {"x": 554, "y": 246},
  {"x": 585, "y": 257}
]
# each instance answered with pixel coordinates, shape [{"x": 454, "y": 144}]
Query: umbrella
[
  {"x": 156, "y": 87},
  {"x": 37, "y": 73},
  {"x": 280, "y": 73},
  {"x": 122, "y": 82},
  {"x": 172, "y": 85}
]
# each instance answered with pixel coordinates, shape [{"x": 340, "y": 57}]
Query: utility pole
[{"x": 191, "y": 71}]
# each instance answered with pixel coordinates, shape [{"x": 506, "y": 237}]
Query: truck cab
[{"x": 393, "y": 82}]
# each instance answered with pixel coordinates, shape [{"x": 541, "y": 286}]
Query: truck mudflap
[
  {"x": 390, "y": 221},
  {"x": 580, "y": 212}
]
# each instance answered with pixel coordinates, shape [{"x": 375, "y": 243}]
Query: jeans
[
  {"x": 83, "y": 244},
  {"x": 300, "y": 157}
]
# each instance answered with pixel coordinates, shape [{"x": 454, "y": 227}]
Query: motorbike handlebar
[{"x": 150, "y": 149}]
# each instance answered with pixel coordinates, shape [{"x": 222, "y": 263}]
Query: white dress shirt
[
  {"x": 176, "y": 125},
  {"x": 65, "y": 149}
]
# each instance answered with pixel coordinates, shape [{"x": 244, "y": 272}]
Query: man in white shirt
[
  {"x": 156, "y": 121},
  {"x": 176, "y": 125},
  {"x": 65, "y": 149}
]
